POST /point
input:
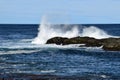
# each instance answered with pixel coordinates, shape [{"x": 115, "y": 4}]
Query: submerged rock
[{"x": 112, "y": 44}]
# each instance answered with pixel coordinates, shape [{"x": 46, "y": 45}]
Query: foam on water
[
  {"x": 18, "y": 51},
  {"x": 31, "y": 48},
  {"x": 48, "y": 71},
  {"x": 47, "y": 31}
]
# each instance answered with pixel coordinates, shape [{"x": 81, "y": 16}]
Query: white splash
[
  {"x": 95, "y": 32},
  {"x": 47, "y": 31}
]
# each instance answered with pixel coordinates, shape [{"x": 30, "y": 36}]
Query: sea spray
[
  {"x": 95, "y": 32},
  {"x": 47, "y": 31}
]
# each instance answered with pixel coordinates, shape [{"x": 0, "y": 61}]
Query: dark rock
[
  {"x": 112, "y": 44},
  {"x": 89, "y": 42},
  {"x": 56, "y": 40}
]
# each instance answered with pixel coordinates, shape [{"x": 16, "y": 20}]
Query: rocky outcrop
[
  {"x": 82, "y": 40},
  {"x": 112, "y": 44},
  {"x": 56, "y": 40}
]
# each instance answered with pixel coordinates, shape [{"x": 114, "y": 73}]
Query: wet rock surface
[{"x": 111, "y": 44}]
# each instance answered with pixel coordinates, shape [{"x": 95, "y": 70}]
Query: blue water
[{"x": 18, "y": 55}]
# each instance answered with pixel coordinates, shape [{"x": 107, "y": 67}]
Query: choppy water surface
[{"x": 18, "y": 55}]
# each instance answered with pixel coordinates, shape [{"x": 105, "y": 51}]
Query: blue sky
[{"x": 59, "y": 11}]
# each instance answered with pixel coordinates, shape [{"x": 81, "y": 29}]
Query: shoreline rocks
[{"x": 110, "y": 44}]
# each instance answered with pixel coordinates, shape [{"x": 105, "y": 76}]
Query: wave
[
  {"x": 47, "y": 31},
  {"x": 45, "y": 47},
  {"x": 95, "y": 32},
  {"x": 18, "y": 51},
  {"x": 48, "y": 71}
]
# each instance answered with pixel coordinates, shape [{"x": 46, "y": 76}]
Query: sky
[{"x": 60, "y": 11}]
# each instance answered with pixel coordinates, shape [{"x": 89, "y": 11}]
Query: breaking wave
[{"x": 47, "y": 31}]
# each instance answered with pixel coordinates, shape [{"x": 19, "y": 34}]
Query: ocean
[{"x": 23, "y": 51}]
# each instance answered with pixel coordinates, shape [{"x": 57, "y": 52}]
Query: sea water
[{"x": 23, "y": 50}]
